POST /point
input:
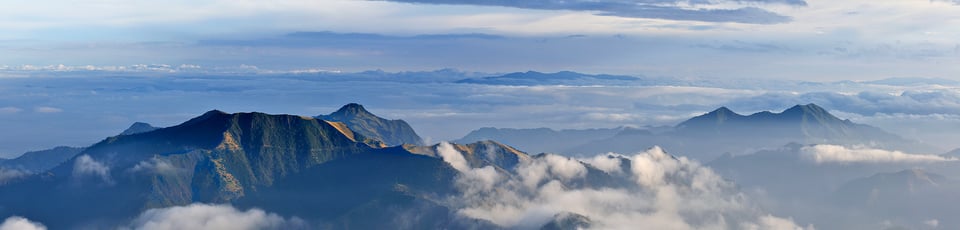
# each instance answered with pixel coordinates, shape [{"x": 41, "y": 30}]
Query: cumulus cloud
[
  {"x": 661, "y": 192},
  {"x": 208, "y": 216},
  {"x": 822, "y": 154},
  {"x": 47, "y": 109},
  {"x": 85, "y": 165},
  {"x": 20, "y": 223},
  {"x": 709, "y": 11}
]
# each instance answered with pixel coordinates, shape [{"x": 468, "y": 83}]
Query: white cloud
[
  {"x": 821, "y": 154},
  {"x": 20, "y": 223},
  {"x": 85, "y": 165},
  {"x": 209, "y": 216},
  {"x": 156, "y": 165},
  {"x": 452, "y": 157},
  {"x": 670, "y": 193},
  {"x": 9, "y": 174},
  {"x": 47, "y": 109},
  {"x": 10, "y": 110},
  {"x": 932, "y": 223},
  {"x": 609, "y": 163}
]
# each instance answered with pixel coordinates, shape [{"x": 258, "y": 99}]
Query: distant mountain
[
  {"x": 390, "y": 132},
  {"x": 914, "y": 81},
  {"x": 531, "y": 78},
  {"x": 138, "y": 127},
  {"x": 541, "y": 140},
  {"x": 39, "y": 161},
  {"x": 723, "y": 131},
  {"x": 43, "y": 160},
  {"x": 912, "y": 196}
]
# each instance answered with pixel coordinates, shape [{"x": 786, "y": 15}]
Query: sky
[{"x": 776, "y": 39}]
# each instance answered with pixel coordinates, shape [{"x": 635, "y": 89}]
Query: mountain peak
[
  {"x": 808, "y": 108},
  {"x": 359, "y": 120},
  {"x": 351, "y": 110},
  {"x": 138, "y": 127}
]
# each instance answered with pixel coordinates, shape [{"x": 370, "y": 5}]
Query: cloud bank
[
  {"x": 748, "y": 11},
  {"x": 660, "y": 192},
  {"x": 209, "y": 216},
  {"x": 824, "y": 154},
  {"x": 20, "y": 223}
]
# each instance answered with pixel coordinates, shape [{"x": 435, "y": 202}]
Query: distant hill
[
  {"x": 39, "y": 161},
  {"x": 390, "y": 132},
  {"x": 723, "y": 131},
  {"x": 531, "y": 78}
]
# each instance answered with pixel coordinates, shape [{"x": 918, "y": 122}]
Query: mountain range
[
  {"x": 712, "y": 134},
  {"x": 320, "y": 170}
]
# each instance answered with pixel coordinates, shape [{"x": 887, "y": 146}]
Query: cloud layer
[
  {"x": 826, "y": 154},
  {"x": 661, "y": 192}
]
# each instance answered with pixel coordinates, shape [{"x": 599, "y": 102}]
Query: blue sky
[{"x": 790, "y": 39}]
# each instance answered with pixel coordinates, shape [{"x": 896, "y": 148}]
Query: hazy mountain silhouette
[
  {"x": 39, "y": 161},
  {"x": 723, "y": 131},
  {"x": 390, "y": 132},
  {"x": 531, "y": 78}
]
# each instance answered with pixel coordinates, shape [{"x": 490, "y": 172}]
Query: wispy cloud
[
  {"x": 10, "y": 110},
  {"x": 707, "y": 11},
  {"x": 47, "y": 109},
  {"x": 835, "y": 154}
]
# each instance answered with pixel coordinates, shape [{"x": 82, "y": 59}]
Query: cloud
[
  {"x": 46, "y": 109},
  {"x": 9, "y": 110},
  {"x": 661, "y": 192},
  {"x": 822, "y": 154},
  {"x": 210, "y": 216},
  {"x": 707, "y": 11},
  {"x": 85, "y": 165},
  {"x": 10, "y": 174},
  {"x": 20, "y": 223},
  {"x": 452, "y": 157},
  {"x": 155, "y": 165}
]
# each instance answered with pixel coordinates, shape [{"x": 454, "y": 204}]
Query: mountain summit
[{"x": 358, "y": 119}]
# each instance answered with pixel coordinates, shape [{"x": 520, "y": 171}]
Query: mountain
[
  {"x": 39, "y": 161},
  {"x": 299, "y": 166},
  {"x": 710, "y": 135},
  {"x": 358, "y": 119},
  {"x": 138, "y": 127},
  {"x": 43, "y": 160},
  {"x": 541, "y": 140},
  {"x": 912, "y": 196},
  {"x": 532, "y": 78}
]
